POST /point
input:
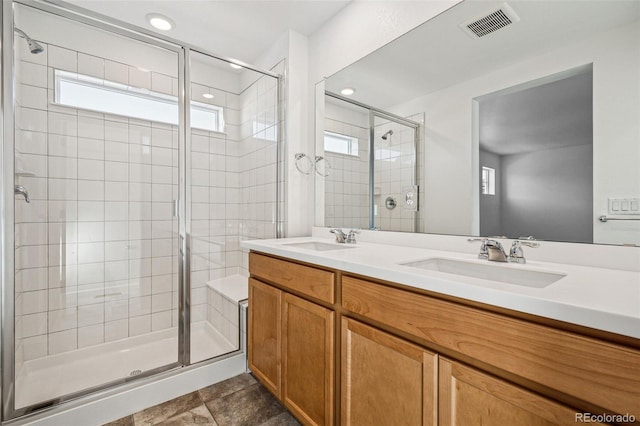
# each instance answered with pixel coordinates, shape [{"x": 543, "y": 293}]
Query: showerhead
[
  {"x": 386, "y": 135},
  {"x": 34, "y": 46}
]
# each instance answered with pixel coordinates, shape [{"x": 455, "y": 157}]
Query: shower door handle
[{"x": 183, "y": 248}]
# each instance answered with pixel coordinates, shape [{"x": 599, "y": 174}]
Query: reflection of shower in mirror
[{"x": 386, "y": 135}]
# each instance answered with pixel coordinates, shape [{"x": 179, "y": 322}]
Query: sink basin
[
  {"x": 501, "y": 273},
  {"x": 318, "y": 246}
]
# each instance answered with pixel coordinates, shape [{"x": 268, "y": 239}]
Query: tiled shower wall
[
  {"x": 346, "y": 201},
  {"x": 96, "y": 247}
]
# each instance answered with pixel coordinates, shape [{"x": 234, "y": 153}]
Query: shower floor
[{"x": 50, "y": 377}]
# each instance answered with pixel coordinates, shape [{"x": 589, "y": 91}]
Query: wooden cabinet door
[
  {"x": 265, "y": 307},
  {"x": 385, "y": 380},
  {"x": 470, "y": 397},
  {"x": 308, "y": 360}
]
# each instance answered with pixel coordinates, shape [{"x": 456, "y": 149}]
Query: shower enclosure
[
  {"x": 132, "y": 167},
  {"x": 373, "y": 180}
]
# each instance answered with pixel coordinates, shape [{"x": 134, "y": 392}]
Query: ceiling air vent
[{"x": 490, "y": 22}]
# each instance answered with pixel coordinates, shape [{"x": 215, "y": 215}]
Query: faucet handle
[
  {"x": 484, "y": 251},
  {"x": 351, "y": 238},
  {"x": 516, "y": 254}
]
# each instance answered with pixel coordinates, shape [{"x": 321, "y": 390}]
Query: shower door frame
[{"x": 7, "y": 199}]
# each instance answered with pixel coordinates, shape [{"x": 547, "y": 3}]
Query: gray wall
[
  {"x": 549, "y": 194},
  {"x": 490, "y": 205}
]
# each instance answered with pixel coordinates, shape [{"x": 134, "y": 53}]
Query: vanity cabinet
[
  {"x": 385, "y": 380},
  {"x": 468, "y": 396},
  {"x": 407, "y": 356},
  {"x": 291, "y": 336}
]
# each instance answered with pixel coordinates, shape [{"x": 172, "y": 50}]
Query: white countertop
[{"x": 604, "y": 299}]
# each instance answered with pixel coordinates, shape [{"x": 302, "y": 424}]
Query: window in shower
[
  {"x": 340, "y": 144},
  {"x": 101, "y": 95}
]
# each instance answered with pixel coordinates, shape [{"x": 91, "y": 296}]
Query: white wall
[{"x": 616, "y": 131}]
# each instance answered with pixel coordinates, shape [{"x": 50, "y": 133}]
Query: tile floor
[{"x": 239, "y": 401}]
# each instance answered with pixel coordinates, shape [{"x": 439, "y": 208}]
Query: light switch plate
[{"x": 624, "y": 206}]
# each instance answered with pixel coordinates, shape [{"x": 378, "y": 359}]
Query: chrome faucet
[
  {"x": 351, "y": 238},
  {"x": 341, "y": 237},
  {"x": 496, "y": 251},
  {"x": 21, "y": 190}
]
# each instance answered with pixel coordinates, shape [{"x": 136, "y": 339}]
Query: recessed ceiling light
[
  {"x": 235, "y": 66},
  {"x": 160, "y": 22},
  {"x": 207, "y": 95},
  {"x": 348, "y": 91}
]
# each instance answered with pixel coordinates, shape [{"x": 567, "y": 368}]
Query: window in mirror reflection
[
  {"x": 488, "y": 181},
  {"x": 340, "y": 144}
]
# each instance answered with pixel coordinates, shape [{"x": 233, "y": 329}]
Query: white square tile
[
  {"x": 89, "y": 273},
  {"x": 63, "y": 319},
  {"x": 116, "y": 231},
  {"x": 140, "y": 173},
  {"x": 139, "y": 306},
  {"x": 161, "y": 302},
  {"x": 139, "y": 325},
  {"x": 139, "y": 191},
  {"x": 117, "y": 270},
  {"x": 90, "y": 65},
  {"x": 31, "y": 279},
  {"x": 116, "y": 191},
  {"x": 139, "y": 268},
  {"x": 31, "y": 142},
  {"x": 139, "y": 78},
  {"x": 140, "y": 287},
  {"x": 140, "y": 154},
  {"x": 162, "y": 138},
  {"x": 115, "y": 310},
  {"x": 116, "y": 151},
  {"x": 161, "y": 83},
  {"x": 63, "y": 189},
  {"x": 90, "y": 128},
  {"x": 34, "y": 347},
  {"x": 90, "y": 252},
  {"x": 161, "y": 320},
  {"x": 30, "y": 119},
  {"x": 162, "y": 156},
  {"x": 34, "y": 164},
  {"x": 139, "y": 230},
  {"x": 116, "y": 330},
  {"x": 140, "y": 135},
  {"x": 116, "y": 210},
  {"x": 32, "y": 74},
  {"x": 116, "y": 131},
  {"x": 31, "y": 234},
  {"x": 63, "y": 297},
  {"x": 91, "y": 314},
  {"x": 90, "y": 169},
  {"x": 63, "y": 341},
  {"x": 62, "y": 124},
  {"x": 139, "y": 211},
  {"x": 35, "y": 301},
  {"x": 91, "y": 335},
  {"x": 31, "y": 96},
  {"x": 61, "y": 58},
  {"x": 34, "y": 324},
  {"x": 116, "y": 171},
  {"x": 62, "y": 146},
  {"x": 91, "y": 149},
  {"x": 63, "y": 167},
  {"x": 90, "y": 190},
  {"x": 115, "y": 71},
  {"x": 116, "y": 250},
  {"x": 90, "y": 211},
  {"x": 66, "y": 277}
]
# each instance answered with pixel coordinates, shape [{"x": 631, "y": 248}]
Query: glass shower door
[
  {"x": 96, "y": 175},
  {"x": 393, "y": 179}
]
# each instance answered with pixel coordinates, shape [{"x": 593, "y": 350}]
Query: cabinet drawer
[
  {"x": 312, "y": 282},
  {"x": 598, "y": 372}
]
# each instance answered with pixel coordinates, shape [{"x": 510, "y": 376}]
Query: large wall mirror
[{"x": 527, "y": 123}]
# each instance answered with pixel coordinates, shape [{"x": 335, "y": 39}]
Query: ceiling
[
  {"x": 235, "y": 29},
  {"x": 548, "y": 116},
  {"x": 438, "y": 54}
]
